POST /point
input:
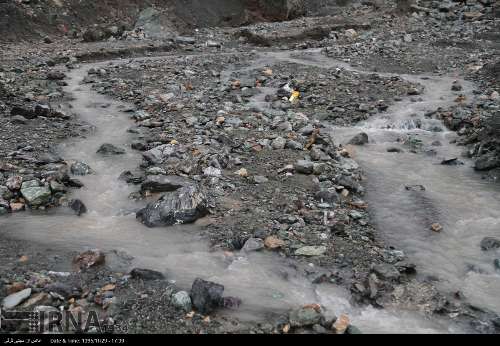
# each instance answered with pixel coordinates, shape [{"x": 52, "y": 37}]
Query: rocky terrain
[{"x": 232, "y": 118}]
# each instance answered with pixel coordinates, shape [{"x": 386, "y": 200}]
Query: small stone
[
  {"x": 306, "y": 316},
  {"x": 278, "y": 143},
  {"x": 110, "y": 149},
  {"x": 253, "y": 244},
  {"x": 242, "y": 172},
  {"x": 311, "y": 251},
  {"x": 182, "y": 300},
  {"x": 260, "y": 179},
  {"x": 273, "y": 242},
  {"x": 80, "y": 168},
  {"x": 304, "y": 167},
  {"x": 14, "y": 183},
  {"x": 359, "y": 139},
  {"x": 436, "y": 227},
  {"x": 341, "y": 324},
  {"x": 78, "y": 207},
  {"x": 89, "y": 259}
]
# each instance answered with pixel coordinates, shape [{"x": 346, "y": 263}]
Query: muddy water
[
  {"x": 455, "y": 196},
  {"x": 266, "y": 283}
]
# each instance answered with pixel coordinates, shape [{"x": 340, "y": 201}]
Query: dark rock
[
  {"x": 56, "y": 75},
  {"x": 146, "y": 274},
  {"x": 329, "y": 196},
  {"x": 80, "y": 168},
  {"x": 185, "y": 205},
  {"x": 490, "y": 243},
  {"x": 487, "y": 161},
  {"x": 359, "y": 139},
  {"x": 24, "y": 112},
  {"x": 164, "y": 183},
  {"x": 78, "y": 207},
  {"x": 206, "y": 296},
  {"x": 110, "y": 149}
]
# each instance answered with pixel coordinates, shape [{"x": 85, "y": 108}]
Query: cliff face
[{"x": 36, "y": 18}]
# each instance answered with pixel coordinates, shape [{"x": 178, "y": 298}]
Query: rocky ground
[{"x": 213, "y": 111}]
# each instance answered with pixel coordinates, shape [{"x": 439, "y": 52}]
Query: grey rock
[
  {"x": 159, "y": 154},
  {"x": 253, "y": 244},
  {"x": 80, "y": 168},
  {"x": 14, "y": 182},
  {"x": 304, "y": 317},
  {"x": 182, "y": 300},
  {"x": 278, "y": 143},
  {"x": 311, "y": 251},
  {"x": 359, "y": 139},
  {"x": 35, "y": 194},
  {"x": 110, "y": 149},
  {"x": 15, "y": 299},
  {"x": 304, "y": 167},
  {"x": 206, "y": 296},
  {"x": 184, "y": 205},
  {"x": 386, "y": 271}
]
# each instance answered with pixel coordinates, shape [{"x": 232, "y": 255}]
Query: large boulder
[
  {"x": 487, "y": 161},
  {"x": 184, "y": 205}
]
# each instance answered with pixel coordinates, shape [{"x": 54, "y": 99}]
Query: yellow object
[
  {"x": 295, "y": 96},
  {"x": 174, "y": 142}
]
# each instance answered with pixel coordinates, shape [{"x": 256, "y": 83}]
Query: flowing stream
[{"x": 466, "y": 206}]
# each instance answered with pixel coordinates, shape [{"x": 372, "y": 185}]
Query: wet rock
[
  {"x": 415, "y": 187},
  {"x": 182, "y": 300},
  {"x": 487, "y": 161},
  {"x": 80, "y": 168},
  {"x": 36, "y": 194},
  {"x": 206, "y": 296},
  {"x": 304, "y": 167},
  {"x": 185, "y": 205},
  {"x": 451, "y": 161},
  {"x": 311, "y": 251},
  {"x": 496, "y": 263},
  {"x": 109, "y": 149},
  {"x": 456, "y": 86},
  {"x": 78, "y": 207},
  {"x": 386, "y": 271},
  {"x": 146, "y": 274},
  {"x": 15, "y": 299},
  {"x": 353, "y": 330},
  {"x": 341, "y": 324},
  {"x": 394, "y": 150},
  {"x": 253, "y": 244},
  {"x": 231, "y": 302},
  {"x": 490, "y": 243},
  {"x": 89, "y": 259},
  {"x": 303, "y": 317},
  {"x": 164, "y": 183},
  {"x": 359, "y": 139}
]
